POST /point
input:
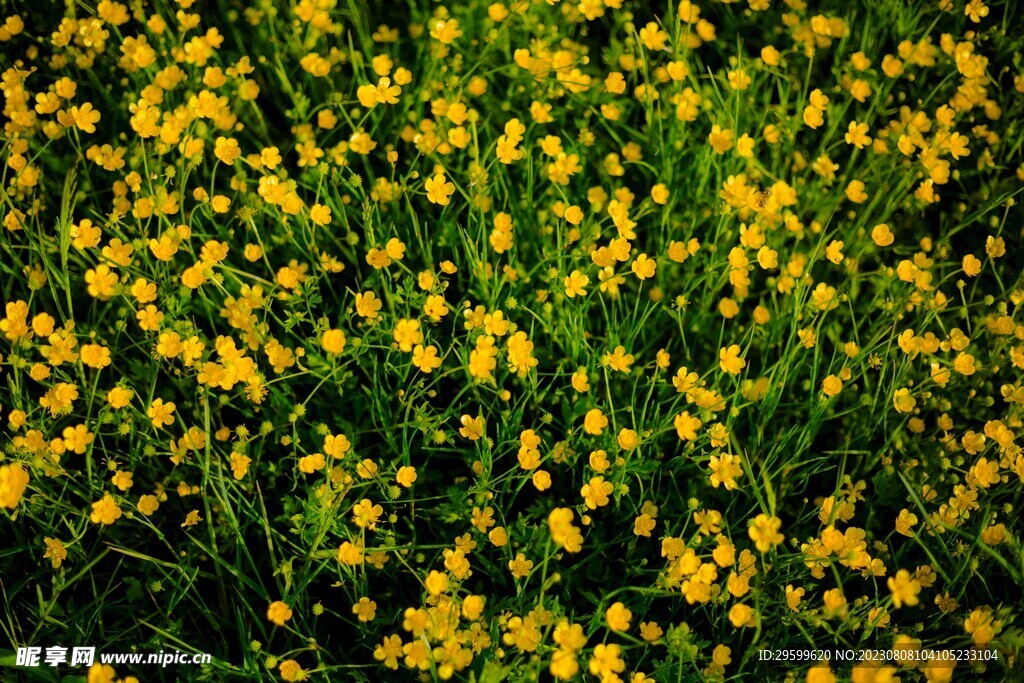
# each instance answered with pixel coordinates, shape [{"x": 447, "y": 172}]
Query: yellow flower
[
  {"x": 857, "y": 135},
  {"x": 976, "y": 10},
  {"x": 161, "y": 413},
  {"x": 439, "y": 190},
  {"x": 498, "y": 536},
  {"x": 406, "y": 476},
  {"x": 395, "y": 249},
  {"x": 445, "y": 31},
  {"x": 820, "y": 673},
  {"x": 984, "y": 473},
  {"x": 350, "y": 553},
  {"x": 729, "y": 360},
  {"x": 643, "y": 525},
  {"x": 101, "y": 282},
  {"x": 279, "y": 613},
  {"x": 741, "y": 615},
  {"x": 964, "y": 364},
  {"x": 148, "y": 504},
  {"x": 573, "y": 215},
  {"x": 599, "y": 461},
  {"x": 831, "y": 385},
  {"x": 606, "y": 661},
  {"x": 320, "y": 214},
  {"x": 653, "y": 37},
  {"x": 191, "y": 519},
  {"x": 270, "y": 157},
  {"x": 596, "y": 492},
  {"x": 563, "y": 532},
  {"x": 767, "y": 258},
  {"x": 426, "y": 358},
  {"x": 904, "y": 589},
  {"x": 650, "y": 631},
  {"x": 85, "y": 117},
  {"x": 724, "y": 470},
  {"x": 85, "y": 235},
  {"x": 365, "y": 610},
  {"x": 473, "y": 607},
  {"x": 366, "y": 514},
  {"x": 389, "y": 651},
  {"x": 378, "y": 258},
  {"x": 226, "y": 150},
  {"x": 122, "y": 480},
  {"x": 770, "y": 55},
  {"x": 575, "y": 284},
  {"x": 336, "y": 446},
  {"x": 368, "y": 305},
  {"x": 643, "y": 267},
  {"x": 881, "y": 235},
  {"x": 100, "y": 673},
  {"x": 333, "y": 341},
  {"x": 594, "y": 421},
  {"x": 618, "y": 359},
  {"x": 660, "y": 193},
  {"x": 105, "y": 511},
  {"x": 982, "y": 625},
  {"x": 520, "y": 566},
  {"x": 312, "y": 463},
  {"x": 720, "y": 140},
  {"x": 905, "y": 521},
  {"x": 407, "y": 334},
  {"x": 834, "y": 251},
  {"x": 472, "y": 427},
  {"x": 564, "y": 665},
  {"x": 580, "y": 381},
  {"x": 55, "y": 551},
  {"x": 813, "y": 117},
  {"x": 290, "y": 671},
  {"x": 903, "y": 401},
  {"x": 618, "y": 617},
  {"x": 793, "y": 597},
  {"x": 687, "y": 425},
  {"x": 13, "y": 482},
  {"x": 855, "y": 192},
  {"x": 764, "y": 532}
]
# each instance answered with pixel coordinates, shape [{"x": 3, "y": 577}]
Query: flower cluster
[{"x": 514, "y": 340}]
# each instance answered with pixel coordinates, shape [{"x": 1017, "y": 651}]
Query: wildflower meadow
[{"x": 616, "y": 341}]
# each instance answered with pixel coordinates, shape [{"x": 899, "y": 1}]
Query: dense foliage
[{"x": 608, "y": 340}]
